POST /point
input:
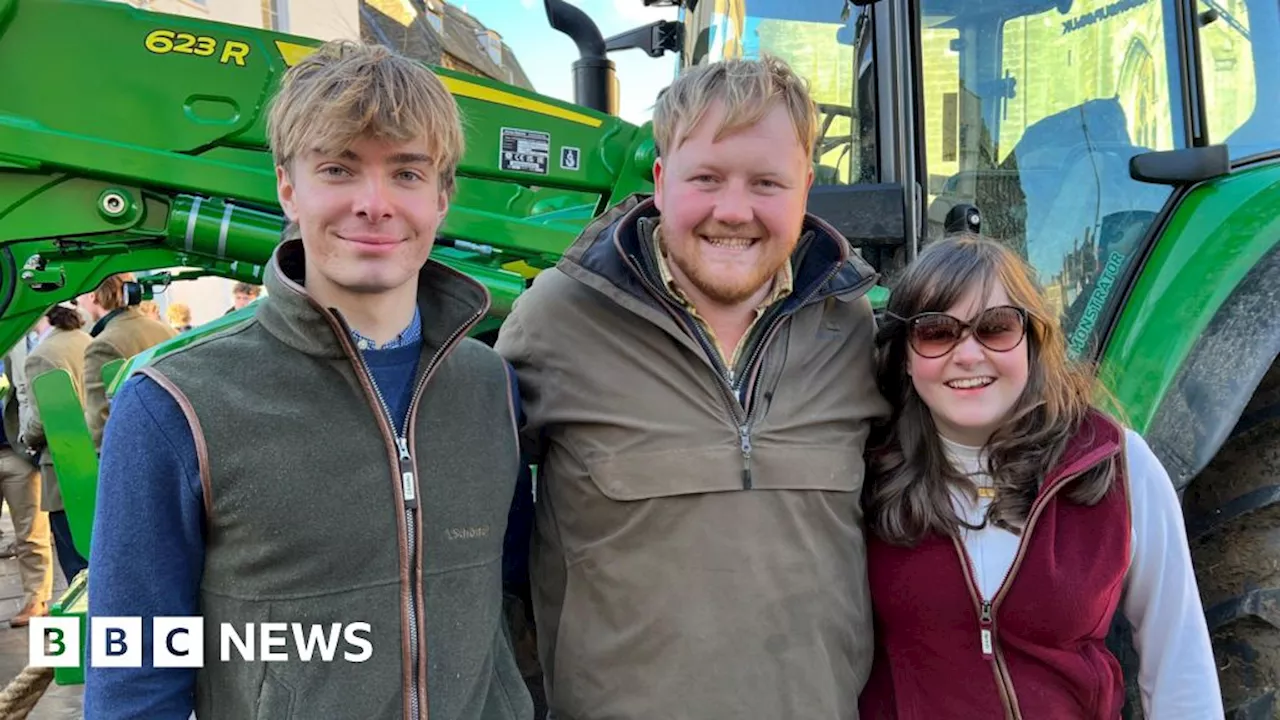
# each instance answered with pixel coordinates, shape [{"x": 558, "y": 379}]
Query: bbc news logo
[{"x": 178, "y": 642}]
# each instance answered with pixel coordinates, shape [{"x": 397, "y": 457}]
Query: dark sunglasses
[{"x": 934, "y": 334}]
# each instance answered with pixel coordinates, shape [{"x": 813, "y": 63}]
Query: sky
[{"x": 547, "y": 55}]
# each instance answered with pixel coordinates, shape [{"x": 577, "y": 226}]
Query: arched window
[{"x": 1138, "y": 94}]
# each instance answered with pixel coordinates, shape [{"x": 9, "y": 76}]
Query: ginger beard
[{"x": 728, "y": 266}]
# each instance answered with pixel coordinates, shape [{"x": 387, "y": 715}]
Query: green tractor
[{"x": 1124, "y": 147}]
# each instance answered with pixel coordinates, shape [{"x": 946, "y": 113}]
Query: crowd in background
[{"x": 80, "y": 336}]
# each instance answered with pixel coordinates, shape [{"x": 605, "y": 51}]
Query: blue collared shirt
[{"x": 408, "y": 336}]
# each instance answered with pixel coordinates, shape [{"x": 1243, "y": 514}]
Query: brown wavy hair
[
  {"x": 908, "y": 495},
  {"x": 64, "y": 318}
]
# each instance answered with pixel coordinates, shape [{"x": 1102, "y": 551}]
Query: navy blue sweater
[{"x": 147, "y": 555}]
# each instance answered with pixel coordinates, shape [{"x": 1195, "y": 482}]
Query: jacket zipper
[
  {"x": 723, "y": 381},
  {"x": 407, "y": 453},
  {"x": 409, "y": 502},
  {"x": 987, "y": 609},
  {"x": 741, "y": 416},
  {"x": 743, "y": 413},
  {"x": 408, "y": 488},
  {"x": 752, "y": 374},
  {"x": 987, "y": 632},
  {"x": 751, "y": 371}
]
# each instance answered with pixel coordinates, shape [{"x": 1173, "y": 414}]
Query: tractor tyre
[{"x": 1233, "y": 524}]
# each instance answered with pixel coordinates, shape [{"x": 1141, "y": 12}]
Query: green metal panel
[
  {"x": 636, "y": 174},
  {"x": 878, "y": 296},
  {"x": 109, "y": 373},
  {"x": 1213, "y": 239},
  {"x": 72, "y": 448},
  {"x": 198, "y": 94}
]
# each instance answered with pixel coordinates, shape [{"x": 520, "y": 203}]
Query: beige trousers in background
[{"x": 20, "y": 487}]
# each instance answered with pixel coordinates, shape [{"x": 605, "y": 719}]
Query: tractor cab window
[
  {"x": 1032, "y": 109},
  {"x": 829, "y": 47},
  {"x": 1241, "y": 71}
]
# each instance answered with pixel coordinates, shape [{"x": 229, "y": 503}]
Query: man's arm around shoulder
[{"x": 147, "y": 554}]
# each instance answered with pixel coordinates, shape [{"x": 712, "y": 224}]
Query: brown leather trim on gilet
[{"x": 197, "y": 434}]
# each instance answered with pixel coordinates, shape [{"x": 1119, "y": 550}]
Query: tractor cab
[{"x": 1059, "y": 127}]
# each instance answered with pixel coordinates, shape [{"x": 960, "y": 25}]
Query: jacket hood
[
  {"x": 448, "y": 301},
  {"x": 604, "y": 255}
]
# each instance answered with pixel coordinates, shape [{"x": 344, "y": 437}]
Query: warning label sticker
[
  {"x": 525, "y": 150},
  {"x": 570, "y": 158}
]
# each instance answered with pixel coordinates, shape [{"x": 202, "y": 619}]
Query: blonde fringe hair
[
  {"x": 748, "y": 88},
  {"x": 345, "y": 91},
  {"x": 179, "y": 314}
]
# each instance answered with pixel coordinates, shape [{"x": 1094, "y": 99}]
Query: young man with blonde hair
[
  {"x": 698, "y": 384},
  {"x": 346, "y": 456},
  {"x": 179, "y": 317}
]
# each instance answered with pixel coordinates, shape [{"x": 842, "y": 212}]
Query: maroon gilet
[{"x": 1037, "y": 650}]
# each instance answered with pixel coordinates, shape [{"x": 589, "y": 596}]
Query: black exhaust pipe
[{"x": 594, "y": 75}]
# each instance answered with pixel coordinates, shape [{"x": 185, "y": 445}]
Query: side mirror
[
  {"x": 656, "y": 38},
  {"x": 1180, "y": 167}
]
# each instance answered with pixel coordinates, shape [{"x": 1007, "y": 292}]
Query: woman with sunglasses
[{"x": 1009, "y": 520}]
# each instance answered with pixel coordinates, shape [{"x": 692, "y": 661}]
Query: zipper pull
[
  {"x": 985, "y": 630},
  {"x": 744, "y": 434},
  {"x": 407, "y": 483}
]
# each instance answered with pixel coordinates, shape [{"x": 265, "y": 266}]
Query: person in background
[
  {"x": 150, "y": 309},
  {"x": 1010, "y": 518},
  {"x": 20, "y": 487},
  {"x": 119, "y": 332},
  {"x": 242, "y": 294},
  {"x": 179, "y": 316},
  {"x": 61, "y": 346}
]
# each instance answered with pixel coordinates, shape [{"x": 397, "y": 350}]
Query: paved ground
[{"x": 59, "y": 702}]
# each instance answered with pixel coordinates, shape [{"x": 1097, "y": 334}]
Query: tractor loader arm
[{"x": 134, "y": 140}]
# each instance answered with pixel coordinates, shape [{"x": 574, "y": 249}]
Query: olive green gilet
[{"x": 306, "y": 512}]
